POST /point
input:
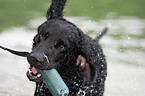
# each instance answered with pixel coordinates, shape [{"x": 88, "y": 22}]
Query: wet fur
[{"x": 91, "y": 69}]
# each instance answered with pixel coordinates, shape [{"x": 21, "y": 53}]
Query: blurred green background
[{"x": 19, "y": 12}]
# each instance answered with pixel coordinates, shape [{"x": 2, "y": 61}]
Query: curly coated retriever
[{"x": 78, "y": 58}]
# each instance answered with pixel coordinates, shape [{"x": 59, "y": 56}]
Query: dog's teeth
[
  {"x": 38, "y": 75},
  {"x": 30, "y": 71}
]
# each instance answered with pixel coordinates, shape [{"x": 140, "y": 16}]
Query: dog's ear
[
  {"x": 92, "y": 58},
  {"x": 56, "y": 9},
  {"x": 84, "y": 68}
]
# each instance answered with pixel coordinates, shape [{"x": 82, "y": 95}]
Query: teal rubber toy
[{"x": 54, "y": 82}]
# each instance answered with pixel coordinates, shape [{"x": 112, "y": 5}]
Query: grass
[{"x": 19, "y": 12}]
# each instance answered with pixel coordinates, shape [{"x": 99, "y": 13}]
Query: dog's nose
[
  {"x": 39, "y": 61},
  {"x": 33, "y": 59},
  {"x": 36, "y": 59}
]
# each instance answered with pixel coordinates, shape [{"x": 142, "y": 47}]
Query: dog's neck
[
  {"x": 71, "y": 75},
  {"x": 73, "y": 81}
]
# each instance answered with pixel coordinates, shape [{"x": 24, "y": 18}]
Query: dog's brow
[{"x": 39, "y": 28}]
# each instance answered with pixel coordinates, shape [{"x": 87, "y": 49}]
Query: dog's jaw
[{"x": 33, "y": 75}]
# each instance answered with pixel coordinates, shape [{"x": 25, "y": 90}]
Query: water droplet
[
  {"x": 128, "y": 38},
  {"x": 100, "y": 89},
  {"x": 74, "y": 82},
  {"x": 96, "y": 92},
  {"x": 140, "y": 67}
]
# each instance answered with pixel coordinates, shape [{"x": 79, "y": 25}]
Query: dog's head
[
  {"x": 55, "y": 42},
  {"x": 56, "y": 39}
]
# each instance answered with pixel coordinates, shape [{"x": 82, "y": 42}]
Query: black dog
[{"x": 61, "y": 45}]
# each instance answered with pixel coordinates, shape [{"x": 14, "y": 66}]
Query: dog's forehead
[{"x": 57, "y": 27}]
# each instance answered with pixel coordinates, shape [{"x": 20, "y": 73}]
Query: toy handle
[{"x": 54, "y": 82}]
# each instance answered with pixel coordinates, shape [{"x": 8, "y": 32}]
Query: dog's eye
[
  {"x": 61, "y": 46},
  {"x": 44, "y": 35}
]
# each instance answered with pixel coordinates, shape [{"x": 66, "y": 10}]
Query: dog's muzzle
[{"x": 39, "y": 60}]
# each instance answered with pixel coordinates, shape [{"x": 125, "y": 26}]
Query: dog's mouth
[
  {"x": 33, "y": 75},
  {"x": 37, "y": 61}
]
